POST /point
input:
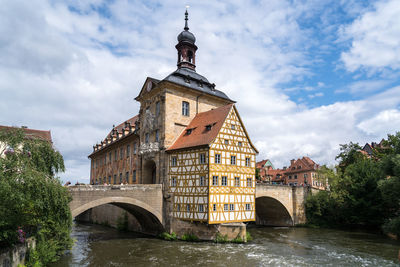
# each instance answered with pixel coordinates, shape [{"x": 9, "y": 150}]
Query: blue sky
[{"x": 306, "y": 75}]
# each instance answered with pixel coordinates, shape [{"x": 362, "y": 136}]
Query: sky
[{"x": 307, "y": 75}]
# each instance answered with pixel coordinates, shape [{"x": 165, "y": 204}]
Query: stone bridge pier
[
  {"x": 280, "y": 205},
  {"x": 142, "y": 202}
]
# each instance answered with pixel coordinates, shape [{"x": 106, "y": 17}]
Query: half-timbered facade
[{"x": 212, "y": 169}]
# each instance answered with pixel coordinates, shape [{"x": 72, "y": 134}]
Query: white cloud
[
  {"x": 77, "y": 73},
  {"x": 375, "y": 39},
  {"x": 386, "y": 121}
]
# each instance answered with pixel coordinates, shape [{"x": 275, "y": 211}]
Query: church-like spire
[
  {"x": 186, "y": 21},
  {"x": 186, "y": 47}
]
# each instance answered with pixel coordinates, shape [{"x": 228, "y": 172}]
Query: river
[{"x": 101, "y": 246}]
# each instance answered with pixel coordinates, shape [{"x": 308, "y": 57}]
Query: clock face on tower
[{"x": 148, "y": 86}]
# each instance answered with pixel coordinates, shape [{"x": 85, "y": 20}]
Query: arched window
[{"x": 190, "y": 56}]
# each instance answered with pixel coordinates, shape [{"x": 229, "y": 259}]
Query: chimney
[{"x": 292, "y": 162}]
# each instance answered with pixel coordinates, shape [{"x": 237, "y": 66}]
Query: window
[
  {"x": 249, "y": 182},
  {"x": 202, "y": 158},
  {"x": 201, "y": 207},
  {"x": 295, "y": 176},
  {"x": 215, "y": 180},
  {"x": 305, "y": 176},
  {"x": 208, "y": 127},
  {"x": 188, "y": 207},
  {"x": 190, "y": 56},
  {"x": 105, "y": 180},
  {"x": 231, "y": 207},
  {"x": 134, "y": 148},
  {"x": 226, "y": 207},
  {"x": 214, "y": 207},
  {"x": 127, "y": 177},
  {"x": 178, "y": 207},
  {"x": 115, "y": 155},
  {"x": 134, "y": 176},
  {"x": 290, "y": 177},
  {"x": 120, "y": 178},
  {"x": 237, "y": 181},
  {"x": 185, "y": 108},
  {"x": 202, "y": 180},
  {"x": 239, "y": 143},
  {"x": 110, "y": 156},
  {"x": 247, "y": 162},
  {"x": 173, "y": 182},
  {"x": 248, "y": 207},
  {"x": 146, "y": 138},
  {"x": 121, "y": 153},
  {"x": 224, "y": 181},
  {"x": 233, "y": 127},
  {"x": 226, "y": 142},
  {"x": 128, "y": 151},
  {"x": 115, "y": 178},
  {"x": 233, "y": 160},
  {"x": 157, "y": 135},
  {"x": 157, "y": 108},
  {"x": 174, "y": 161},
  {"x": 217, "y": 158},
  {"x": 109, "y": 178}
]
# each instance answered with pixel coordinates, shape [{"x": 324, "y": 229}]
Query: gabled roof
[
  {"x": 121, "y": 126},
  {"x": 261, "y": 164},
  {"x": 154, "y": 83},
  {"x": 306, "y": 163},
  {"x": 31, "y": 133},
  {"x": 199, "y": 135}
]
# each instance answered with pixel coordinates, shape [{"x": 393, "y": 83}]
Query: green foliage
[
  {"x": 221, "y": 238},
  {"x": 189, "y": 237},
  {"x": 32, "y": 198},
  {"x": 169, "y": 237},
  {"x": 258, "y": 177},
  {"x": 363, "y": 191},
  {"x": 122, "y": 222},
  {"x": 248, "y": 237},
  {"x": 392, "y": 226}
]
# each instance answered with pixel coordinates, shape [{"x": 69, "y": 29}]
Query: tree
[{"x": 32, "y": 199}]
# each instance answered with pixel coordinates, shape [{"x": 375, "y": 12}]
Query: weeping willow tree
[{"x": 32, "y": 200}]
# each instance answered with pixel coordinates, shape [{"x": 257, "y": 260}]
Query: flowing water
[{"x": 101, "y": 246}]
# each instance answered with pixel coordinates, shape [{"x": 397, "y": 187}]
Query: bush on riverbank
[
  {"x": 364, "y": 191},
  {"x": 32, "y": 201}
]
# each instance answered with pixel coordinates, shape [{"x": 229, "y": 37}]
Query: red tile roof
[
  {"x": 199, "y": 135},
  {"x": 31, "y": 133}
]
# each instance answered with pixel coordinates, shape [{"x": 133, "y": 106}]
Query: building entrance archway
[{"x": 150, "y": 172}]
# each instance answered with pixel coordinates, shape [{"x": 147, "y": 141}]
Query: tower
[{"x": 186, "y": 47}]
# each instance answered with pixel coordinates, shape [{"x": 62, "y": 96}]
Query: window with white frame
[
  {"x": 249, "y": 182},
  {"x": 247, "y": 162},
  {"x": 226, "y": 207},
  {"x": 237, "y": 181},
  {"x": 214, "y": 207},
  {"x": 248, "y": 206},
  {"x": 201, "y": 207},
  {"x": 173, "y": 182},
  {"x": 233, "y": 160},
  {"x": 217, "y": 158},
  {"x": 174, "y": 161},
  {"x": 178, "y": 207},
  {"x": 215, "y": 180},
  {"x": 231, "y": 207},
  {"x": 202, "y": 180},
  {"x": 185, "y": 108},
  {"x": 202, "y": 158},
  {"x": 188, "y": 207},
  {"x": 224, "y": 181}
]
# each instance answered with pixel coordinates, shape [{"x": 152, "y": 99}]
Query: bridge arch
[
  {"x": 149, "y": 218},
  {"x": 272, "y": 212}
]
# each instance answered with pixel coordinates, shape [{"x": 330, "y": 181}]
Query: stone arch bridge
[
  {"x": 144, "y": 201},
  {"x": 276, "y": 205}
]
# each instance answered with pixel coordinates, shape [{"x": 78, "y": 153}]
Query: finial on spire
[{"x": 186, "y": 19}]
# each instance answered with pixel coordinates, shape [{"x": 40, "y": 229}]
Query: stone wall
[
  {"x": 12, "y": 257},
  {"x": 206, "y": 231}
]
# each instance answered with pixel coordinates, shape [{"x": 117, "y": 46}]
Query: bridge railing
[{"x": 113, "y": 187}]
